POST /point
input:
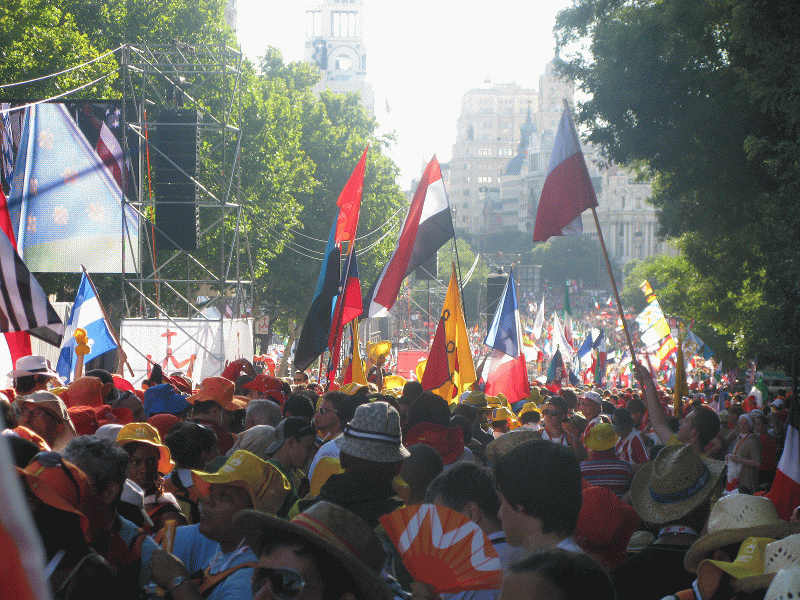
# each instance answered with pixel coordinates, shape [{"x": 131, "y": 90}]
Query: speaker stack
[{"x": 176, "y": 212}]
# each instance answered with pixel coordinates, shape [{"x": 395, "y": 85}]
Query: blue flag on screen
[
  {"x": 64, "y": 203},
  {"x": 87, "y": 314}
]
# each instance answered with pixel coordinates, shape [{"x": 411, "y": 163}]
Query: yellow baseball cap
[
  {"x": 146, "y": 434},
  {"x": 266, "y": 485}
]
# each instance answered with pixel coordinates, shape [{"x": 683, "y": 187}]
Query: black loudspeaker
[
  {"x": 495, "y": 284},
  {"x": 428, "y": 269},
  {"x": 177, "y": 222}
]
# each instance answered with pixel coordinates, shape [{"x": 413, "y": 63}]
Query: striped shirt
[
  {"x": 608, "y": 471},
  {"x": 632, "y": 449}
]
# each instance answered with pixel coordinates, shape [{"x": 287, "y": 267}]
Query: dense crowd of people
[{"x": 249, "y": 486}]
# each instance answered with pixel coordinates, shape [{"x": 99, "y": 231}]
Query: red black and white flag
[
  {"x": 785, "y": 490},
  {"x": 427, "y": 227}
]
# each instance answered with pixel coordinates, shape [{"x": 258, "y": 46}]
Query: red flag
[
  {"x": 437, "y": 369},
  {"x": 19, "y": 342},
  {"x": 348, "y": 301},
  {"x": 567, "y": 190},
  {"x": 349, "y": 202}
]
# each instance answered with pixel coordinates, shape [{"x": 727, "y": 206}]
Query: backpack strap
[{"x": 209, "y": 582}]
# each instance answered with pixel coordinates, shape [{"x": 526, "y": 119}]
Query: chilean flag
[
  {"x": 568, "y": 190},
  {"x": 427, "y": 227},
  {"x": 508, "y": 372}
]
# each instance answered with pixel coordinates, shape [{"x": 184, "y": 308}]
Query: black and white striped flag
[{"x": 23, "y": 304}]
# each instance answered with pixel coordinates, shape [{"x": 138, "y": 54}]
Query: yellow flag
[
  {"x": 459, "y": 354},
  {"x": 357, "y": 367}
]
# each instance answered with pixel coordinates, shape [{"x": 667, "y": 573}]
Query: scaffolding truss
[{"x": 180, "y": 283}]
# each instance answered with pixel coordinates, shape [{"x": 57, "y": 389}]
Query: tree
[
  {"x": 704, "y": 96},
  {"x": 569, "y": 257}
]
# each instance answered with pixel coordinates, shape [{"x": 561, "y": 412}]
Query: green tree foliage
[
  {"x": 569, "y": 257},
  {"x": 705, "y": 95}
]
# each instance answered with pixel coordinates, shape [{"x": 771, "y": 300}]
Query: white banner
[{"x": 195, "y": 347}]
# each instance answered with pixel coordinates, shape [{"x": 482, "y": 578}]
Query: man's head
[
  {"x": 33, "y": 373},
  {"x": 419, "y": 469},
  {"x": 262, "y": 412},
  {"x": 294, "y": 442},
  {"x": 590, "y": 404},
  {"x": 299, "y": 405},
  {"x": 244, "y": 481},
  {"x": 554, "y": 413},
  {"x": 109, "y": 392},
  {"x": 622, "y": 421},
  {"x": 300, "y": 378},
  {"x": 637, "y": 410},
  {"x": 214, "y": 397},
  {"x": 327, "y": 418},
  {"x": 468, "y": 488},
  {"x": 106, "y": 466},
  {"x": 540, "y": 492},
  {"x": 192, "y": 445},
  {"x": 699, "y": 427},
  {"x": 373, "y": 435},
  {"x": 325, "y": 553},
  {"x": 46, "y": 415}
]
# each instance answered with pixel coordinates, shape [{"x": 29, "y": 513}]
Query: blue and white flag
[
  {"x": 87, "y": 314},
  {"x": 66, "y": 207},
  {"x": 8, "y": 145}
]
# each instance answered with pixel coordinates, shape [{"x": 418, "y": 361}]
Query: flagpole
[
  {"x": 105, "y": 318},
  {"x": 613, "y": 281}
]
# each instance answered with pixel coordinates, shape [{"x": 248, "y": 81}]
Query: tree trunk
[{"x": 294, "y": 332}]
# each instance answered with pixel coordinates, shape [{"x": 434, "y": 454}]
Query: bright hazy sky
[{"x": 422, "y": 56}]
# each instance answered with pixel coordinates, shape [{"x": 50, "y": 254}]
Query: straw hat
[
  {"x": 331, "y": 530},
  {"x": 378, "y": 349},
  {"x": 266, "y": 485},
  {"x": 374, "y": 434},
  {"x": 601, "y": 437},
  {"x": 219, "y": 390},
  {"x": 56, "y": 407},
  {"x": 675, "y": 483},
  {"x": 146, "y": 434},
  {"x": 785, "y": 586},
  {"x": 351, "y": 388},
  {"x": 640, "y": 540},
  {"x": 503, "y": 414},
  {"x": 499, "y": 447},
  {"x": 735, "y": 518}
]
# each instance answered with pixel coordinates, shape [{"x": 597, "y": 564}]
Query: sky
[{"x": 422, "y": 56}]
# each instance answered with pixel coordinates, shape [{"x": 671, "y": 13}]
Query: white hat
[
  {"x": 36, "y": 364},
  {"x": 786, "y": 585},
  {"x": 778, "y": 402},
  {"x": 594, "y": 397}
]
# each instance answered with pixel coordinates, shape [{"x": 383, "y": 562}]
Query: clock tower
[{"x": 335, "y": 43}]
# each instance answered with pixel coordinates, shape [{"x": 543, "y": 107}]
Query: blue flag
[
  {"x": 86, "y": 314},
  {"x": 65, "y": 205}
]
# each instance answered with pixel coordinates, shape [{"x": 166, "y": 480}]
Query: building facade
[
  {"x": 505, "y": 137},
  {"x": 335, "y": 43}
]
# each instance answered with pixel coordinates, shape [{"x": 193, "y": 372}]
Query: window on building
[
  {"x": 343, "y": 63},
  {"x": 471, "y": 132},
  {"x": 487, "y": 125},
  {"x": 484, "y": 151},
  {"x": 343, "y": 24},
  {"x": 313, "y": 23}
]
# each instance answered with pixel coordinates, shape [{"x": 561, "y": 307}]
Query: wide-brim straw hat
[
  {"x": 331, "y": 530},
  {"x": 499, "y": 447},
  {"x": 393, "y": 381},
  {"x": 29, "y": 366},
  {"x": 674, "y": 484},
  {"x": 733, "y": 519},
  {"x": 780, "y": 554}
]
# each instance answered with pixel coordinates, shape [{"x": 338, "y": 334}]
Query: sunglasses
[
  {"x": 324, "y": 411},
  {"x": 286, "y": 584}
]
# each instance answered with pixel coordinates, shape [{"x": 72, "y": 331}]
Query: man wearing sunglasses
[
  {"x": 325, "y": 553},
  {"x": 326, "y": 419}
]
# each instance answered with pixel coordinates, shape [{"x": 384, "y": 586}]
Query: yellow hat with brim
[
  {"x": 601, "y": 437},
  {"x": 378, "y": 349},
  {"x": 265, "y": 484},
  {"x": 351, "y": 388},
  {"x": 146, "y": 434},
  {"x": 528, "y": 407},
  {"x": 748, "y": 565},
  {"x": 391, "y": 382},
  {"x": 419, "y": 370},
  {"x": 478, "y": 399},
  {"x": 503, "y": 414},
  {"x": 503, "y": 399}
]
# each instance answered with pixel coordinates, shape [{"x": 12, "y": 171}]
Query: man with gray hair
[
  {"x": 127, "y": 548},
  {"x": 261, "y": 411}
]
